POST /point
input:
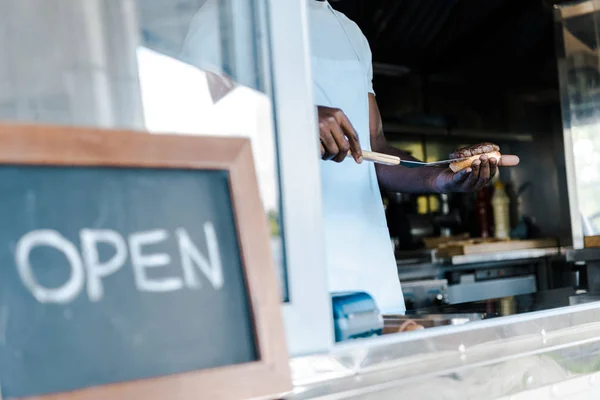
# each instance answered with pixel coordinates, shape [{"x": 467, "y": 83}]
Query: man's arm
[
  {"x": 338, "y": 136},
  {"x": 378, "y": 140},
  {"x": 423, "y": 180}
]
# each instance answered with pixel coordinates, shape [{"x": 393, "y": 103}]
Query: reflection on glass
[
  {"x": 586, "y": 147},
  {"x": 166, "y": 66},
  {"x": 179, "y": 98},
  {"x": 70, "y": 62},
  {"x": 580, "y": 86},
  {"x": 201, "y": 73}
]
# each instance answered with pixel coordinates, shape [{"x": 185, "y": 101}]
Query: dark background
[
  {"x": 458, "y": 72},
  {"x": 459, "y": 63}
]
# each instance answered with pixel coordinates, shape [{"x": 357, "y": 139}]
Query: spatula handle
[{"x": 379, "y": 158}]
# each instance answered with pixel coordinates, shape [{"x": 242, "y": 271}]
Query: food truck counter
[
  {"x": 536, "y": 351},
  {"x": 492, "y": 308}
]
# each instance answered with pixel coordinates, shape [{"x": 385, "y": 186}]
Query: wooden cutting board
[
  {"x": 435, "y": 242},
  {"x": 479, "y": 246},
  {"x": 592, "y": 241}
]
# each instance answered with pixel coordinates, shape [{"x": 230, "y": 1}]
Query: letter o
[{"x": 63, "y": 294}]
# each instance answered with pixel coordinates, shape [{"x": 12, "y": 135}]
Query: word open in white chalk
[{"x": 88, "y": 271}]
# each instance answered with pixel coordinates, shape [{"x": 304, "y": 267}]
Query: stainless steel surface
[
  {"x": 456, "y": 319},
  {"x": 580, "y": 387},
  {"x": 593, "y": 276},
  {"x": 429, "y": 283},
  {"x": 451, "y": 319},
  {"x": 584, "y": 298},
  {"x": 428, "y": 321},
  {"x": 385, "y": 159},
  {"x": 492, "y": 289},
  {"x": 480, "y": 360},
  {"x": 425, "y": 293},
  {"x": 591, "y": 260},
  {"x": 583, "y": 255},
  {"x": 413, "y": 272},
  {"x": 501, "y": 256},
  {"x": 410, "y": 258},
  {"x": 416, "y": 164},
  {"x": 425, "y": 265}
]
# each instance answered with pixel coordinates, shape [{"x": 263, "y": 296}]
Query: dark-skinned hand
[
  {"x": 474, "y": 178},
  {"x": 337, "y": 136}
]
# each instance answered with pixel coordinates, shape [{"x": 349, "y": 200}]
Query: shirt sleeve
[
  {"x": 369, "y": 69},
  {"x": 367, "y": 59}
]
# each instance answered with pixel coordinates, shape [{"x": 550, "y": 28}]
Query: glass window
[
  {"x": 197, "y": 67},
  {"x": 577, "y": 26},
  {"x": 203, "y": 70}
]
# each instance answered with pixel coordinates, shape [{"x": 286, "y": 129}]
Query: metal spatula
[{"x": 386, "y": 159}]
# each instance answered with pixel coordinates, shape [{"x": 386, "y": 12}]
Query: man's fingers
[
  {"x": 509, "y": 161},
  {"x": 484, "y": 172},
  {"x": 342, "y": 143},
  {"x": 473, "y": 177},
  {"x": 331, "y": 148},
  {"x": 493, "y": 167},
  {"x": 338, "y": 136},
  {"x": 352, "y": 137},
  {"x": 461, "y": 175}
]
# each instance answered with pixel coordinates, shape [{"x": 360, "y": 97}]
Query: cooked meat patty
[
  {"x": 475, "y": 150},
  {"x": 473, "y": 153}
]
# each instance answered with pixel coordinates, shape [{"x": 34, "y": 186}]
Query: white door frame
[{"x": 308, "y": 315}]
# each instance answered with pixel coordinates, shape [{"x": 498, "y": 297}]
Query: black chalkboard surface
[
  {"x": 158, "y": 325},
  {"x": 134, "y": 266}
]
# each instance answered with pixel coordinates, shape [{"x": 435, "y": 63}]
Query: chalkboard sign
[{"x": 134, "y": 264}]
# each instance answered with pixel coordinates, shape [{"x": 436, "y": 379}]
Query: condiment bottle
[
  {"x": 481, "y": 205},
  {"x": 501, "y": 204},
  {"x": 445, "y": 231},
  {"x": 508, "y": 306}
]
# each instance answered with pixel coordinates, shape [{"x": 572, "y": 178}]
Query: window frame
[{"x": 307, "y": 316}]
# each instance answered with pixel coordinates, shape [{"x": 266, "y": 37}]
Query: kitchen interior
[{"x": 456, "y": 73}]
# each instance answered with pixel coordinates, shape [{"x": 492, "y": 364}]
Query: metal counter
[
  {"x": 524, "y": 352},
  {"x": 487, "y": 275},
  {"x": 525, "y": 254},
  {"x": 496, "y": 307},
  {"x": 429, "y": 258}
]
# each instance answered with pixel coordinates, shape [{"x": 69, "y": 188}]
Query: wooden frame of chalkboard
[{"x": 39, "y": 145}]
